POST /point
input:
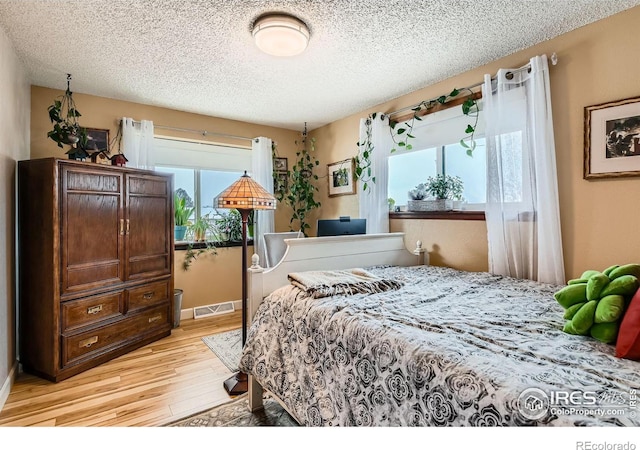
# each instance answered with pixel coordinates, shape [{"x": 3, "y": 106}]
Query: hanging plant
[
  {"x": 64, "y": 117},
  {"x": 401, "y": 134},
  {"x": 298, "y": 192}
]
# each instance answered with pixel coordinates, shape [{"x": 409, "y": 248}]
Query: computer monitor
[{"x": 345, "y": 225}]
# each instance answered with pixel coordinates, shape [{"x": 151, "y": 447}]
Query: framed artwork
[
  {"x": 340, "y": 177},
  {"x": 612, "y": 139},
  {"x": 280, "y": 164},
  {"x": 97, "y": 140},
  {"x": 281, "y": 183}
]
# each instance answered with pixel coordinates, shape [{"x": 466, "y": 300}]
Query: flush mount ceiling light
[{"x": 280, "y": 34}]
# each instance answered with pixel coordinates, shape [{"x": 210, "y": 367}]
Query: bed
[{"x": 441, "y": 347}]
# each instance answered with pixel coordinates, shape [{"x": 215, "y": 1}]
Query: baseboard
[{"x": 6, "y": 386}]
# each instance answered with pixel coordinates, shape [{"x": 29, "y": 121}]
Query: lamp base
[{"x": 236, "y": 384}]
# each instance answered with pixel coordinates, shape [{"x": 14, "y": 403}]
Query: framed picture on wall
[
  {"x": 341, "y": 180},
  {"x": 612, "y": 139},
  {"x": 280, "y": 164},
  {"x": 97, "y": 140},
  {"x": 281, "y": 182}
]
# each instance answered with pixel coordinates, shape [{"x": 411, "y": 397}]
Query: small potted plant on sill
[
  {"x": 443, "y": 189},
  {"x": 200, "y": 227},
  {"x": 229, "y": 225},
  {"x": 417, "y": 197},
  {"x": 182, "y": 213},
  {"x": 436, "y": 194}
]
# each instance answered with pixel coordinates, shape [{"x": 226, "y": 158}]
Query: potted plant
[
  {"x": 297, "y": 190},
  {"x": 443, "y": 188},
  {"x": 229, "y": 225},
  {"x": 182, "y": 213},
  {"x": 64, "y": 117},
  {"x": 200, "y": 227},
  {"x": 416, "y": 198},
  {"x": 200, "y": 244}
]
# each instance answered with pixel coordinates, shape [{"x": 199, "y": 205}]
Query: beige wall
[
  {"x": 105, "y": 113},
  {"x": 211, "y": 279},
  {"x": 14, "y": 146},
  {"x": 596, "y": 64}
]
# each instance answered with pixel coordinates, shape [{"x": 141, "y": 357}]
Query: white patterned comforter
[{"x": 449, "y": 348}]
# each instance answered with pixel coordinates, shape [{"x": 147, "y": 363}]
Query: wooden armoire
[{"x": 95, "y": 263}]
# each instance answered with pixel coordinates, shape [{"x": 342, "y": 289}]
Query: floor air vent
[{"x": 213, "y": 310}]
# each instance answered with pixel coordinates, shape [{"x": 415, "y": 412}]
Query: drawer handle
[
  {"x": 147, "y": 295},
  {"x": 88, "y": 342},
  {"x": 154, "y": 318},
  {"x": 94, "y": 309}
]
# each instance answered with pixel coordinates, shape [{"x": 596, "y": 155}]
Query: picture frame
[
  {"x": 97, "y": 140},
  {"x": 612, "y": 139},
  {"x": 281, "y": 181},
  {"x": 340, "y": 178},
  {"x": 280, "y": 164}
]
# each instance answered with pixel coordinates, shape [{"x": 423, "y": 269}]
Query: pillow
[{"x": 628, "y": 344}]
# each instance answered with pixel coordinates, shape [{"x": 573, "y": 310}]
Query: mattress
[{"x": 449, "y": 348}]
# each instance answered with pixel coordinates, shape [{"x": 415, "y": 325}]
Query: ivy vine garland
[
  {"x": 401, "y": 134},
  {"x": 299, "y": 192}
]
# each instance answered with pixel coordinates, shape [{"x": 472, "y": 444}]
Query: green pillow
[
  {"x": 583, "y": 318},
  {"x": 595, "y": 303},
  {"x": 625, "y": 285},
  {"x": 609, "y": 309},
  {"x": 571, "y": 294},
  {"x": 605, "y": 332}
]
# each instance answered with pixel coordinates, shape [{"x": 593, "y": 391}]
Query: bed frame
[{"x": 324, "y": 253}]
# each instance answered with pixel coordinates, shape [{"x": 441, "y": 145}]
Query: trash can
[{"x": 177, "y": 307}]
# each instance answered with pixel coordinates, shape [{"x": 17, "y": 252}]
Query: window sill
[
  {"x": 445, "y": 215},
  {"x": 183, "y": 245}
]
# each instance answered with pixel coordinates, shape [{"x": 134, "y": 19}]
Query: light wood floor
[{"x": 164, "y": 381}]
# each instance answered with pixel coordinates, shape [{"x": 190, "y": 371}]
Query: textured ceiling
[{"x": 198, "y": 56}]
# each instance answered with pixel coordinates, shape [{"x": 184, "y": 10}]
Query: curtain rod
[
  {"x": 201, "y": 132},
  {"x": 554, "y": 61}
]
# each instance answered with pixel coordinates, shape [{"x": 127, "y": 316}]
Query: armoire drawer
[
  {"x": 90, "y": 343},
  {"x": 147, "y": 295},
  {"x": 90, "y": 310}
]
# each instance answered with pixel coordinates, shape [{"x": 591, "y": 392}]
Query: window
[
  {"x": 437, "y": 151},
  {"x": 201, "y": 172}
]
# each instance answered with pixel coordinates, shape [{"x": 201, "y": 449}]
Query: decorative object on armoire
[
  {"x": 244, "y": 195},
  {"x": 97, "y": 281},
  {"x": 100, "y": 158},
  {"x": 297, "y": 190},
  {"x": 119, "y": 160},
  {"x": 64, "y": 117}
]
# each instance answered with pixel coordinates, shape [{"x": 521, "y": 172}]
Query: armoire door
[
  {"x": 149, "y": 222},
  {"x": 92, "y": 228}
]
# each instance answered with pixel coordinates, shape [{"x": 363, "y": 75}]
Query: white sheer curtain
[
  {"x": 137, "y": 143},
  {"x": 522, "y": 213},
  {"x": 262, "y": 173},
  {"x": 373, "y": 201}
]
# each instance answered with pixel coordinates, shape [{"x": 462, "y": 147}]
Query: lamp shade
[
  {"x": 245, "y": 193},
  {"x": 280, "y": 35}
]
